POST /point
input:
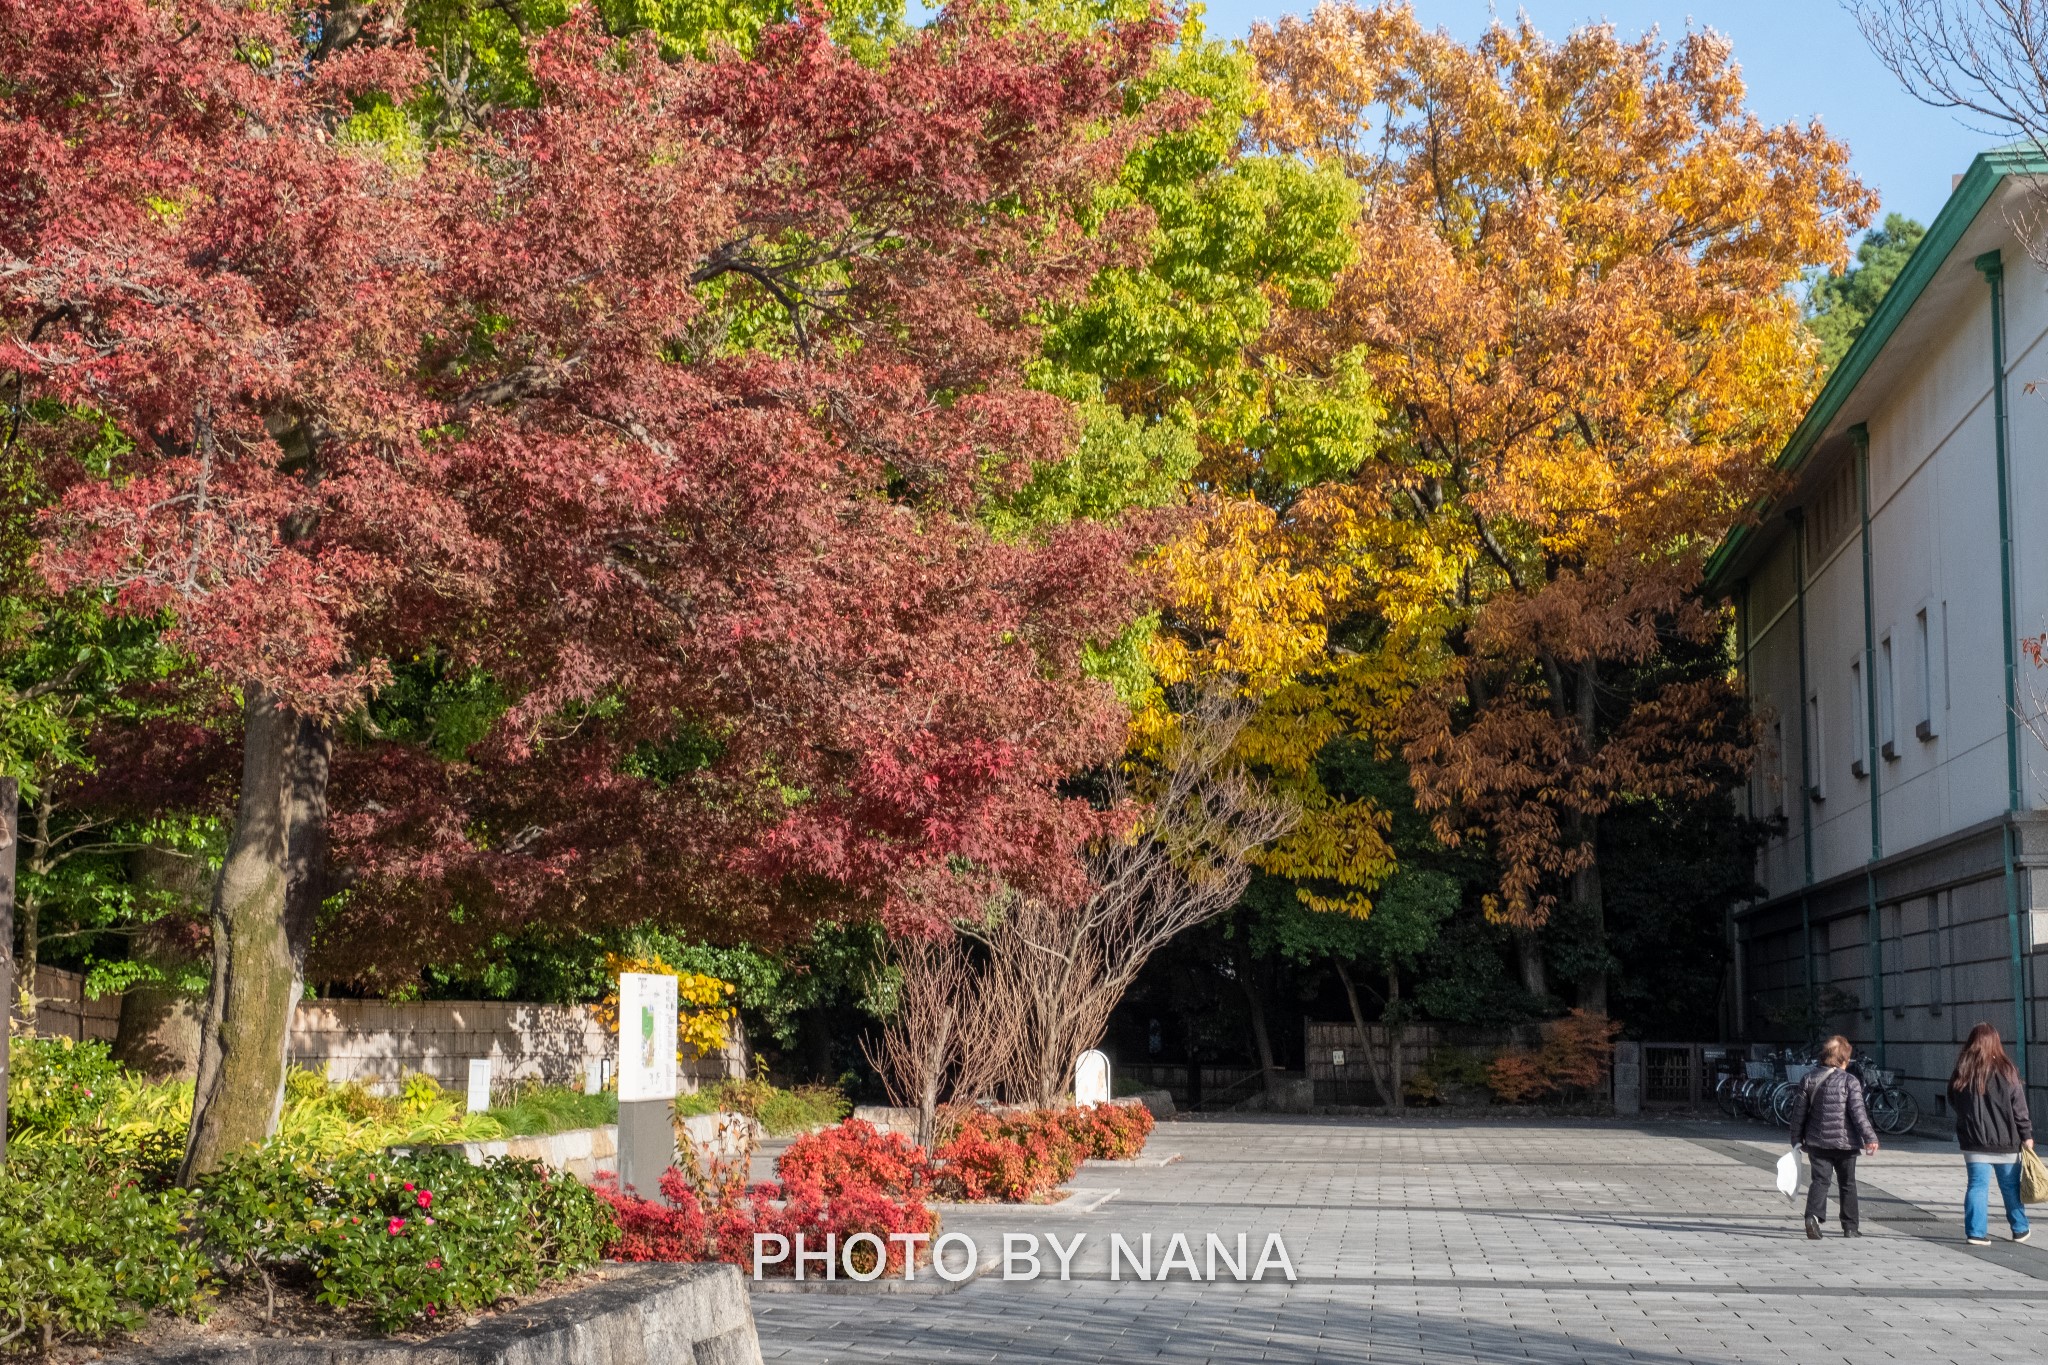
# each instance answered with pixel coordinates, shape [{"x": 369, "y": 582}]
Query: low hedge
[
  {"x": 89, "y": 1245},
  {"x": 1022, "y": 1155},
  {"x": 91, "y": 1241},
  {"x": 400, "y": 1238}
]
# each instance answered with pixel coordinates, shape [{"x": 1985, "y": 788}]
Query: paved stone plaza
[{"x": 1481, "y": 1241}]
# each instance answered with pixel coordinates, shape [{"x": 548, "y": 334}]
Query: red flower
[
  {"x": 426, "y": 1198},
  {"x": 434, "y": 1264},
  {"x": 408, "y": 1186},
  {"x": 396, "y": 1226}
]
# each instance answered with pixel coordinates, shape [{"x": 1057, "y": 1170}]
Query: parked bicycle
[{"x": 1762, "y": 1089}]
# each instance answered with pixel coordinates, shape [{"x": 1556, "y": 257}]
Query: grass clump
[{"x": 779, "y": 1111}]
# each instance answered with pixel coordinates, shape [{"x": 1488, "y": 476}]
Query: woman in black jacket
[
  {"x": 1829, "y": 1121},
  {"x": 1992, "y": 1124}
]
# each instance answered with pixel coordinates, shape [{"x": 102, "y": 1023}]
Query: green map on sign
[{"x": 647, "y": 1036}]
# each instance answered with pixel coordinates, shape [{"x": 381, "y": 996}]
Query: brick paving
[{"x": 1438, "y": 1241}]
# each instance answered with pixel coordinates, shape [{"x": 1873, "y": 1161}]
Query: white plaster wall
[{"x": 1934, "y": 544}]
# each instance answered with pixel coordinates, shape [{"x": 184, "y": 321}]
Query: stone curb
[{"x": 639, "y": 1315}]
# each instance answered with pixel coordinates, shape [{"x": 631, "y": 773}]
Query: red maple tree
[{"x": 667, "y": 400}]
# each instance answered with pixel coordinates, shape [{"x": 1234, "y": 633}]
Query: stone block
[{"x": 641, "y": 1315}]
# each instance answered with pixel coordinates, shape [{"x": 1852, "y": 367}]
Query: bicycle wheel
[
  {"x": 1781, "y": 1105},
  {"x": 1908, "y": 1110},
  {"x": 1728, "y": 1096},
  {"x": 1883, "y": 1106}
]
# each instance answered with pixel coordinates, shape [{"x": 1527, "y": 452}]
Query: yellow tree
[{"x": 1571, "y": 294}]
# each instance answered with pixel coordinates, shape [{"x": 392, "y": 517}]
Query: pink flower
[
  {"x": 396, "y": 1226},
  {"x": 426, "y": 1199},
  {"x": 408, "y": 1186},
  {"x": 428, "y": 1221},
  {"x": 434, "y": 1264}
]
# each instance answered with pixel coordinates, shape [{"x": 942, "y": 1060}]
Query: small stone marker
[
  {"x": 593, "y": 1075},
  {"x": 1091, "y": 1078},
  {"x": 647, "y": 1080},
  {"x": 479, "y": 1084},
  {"x": 1336, "y": 1056}
]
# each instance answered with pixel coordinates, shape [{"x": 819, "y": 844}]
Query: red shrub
[
  {"x": 983, "y": 1162},
  {"x": 853, "y": 1156},
  {"x": 651, "y": 1231},
  {"x": 1116, "y": 1132},
  {"x": 816, "y": 1217},
  {"x": 1048, "y": 1142}
]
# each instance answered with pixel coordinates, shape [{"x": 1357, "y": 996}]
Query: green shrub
[
  {"x": 401, "y": 1238},
  {"x": 553, "y": 1109},
  {"x": 55, "y": 1084},
  {"x": 777, "y": 1110},
  {"x": 87, "y": 1247}
]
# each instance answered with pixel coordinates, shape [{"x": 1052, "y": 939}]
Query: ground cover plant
[
  {"x": 780, "y": 1111},
  {"x": 95, "y": 1234}
]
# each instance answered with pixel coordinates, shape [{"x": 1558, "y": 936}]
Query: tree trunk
[
  {"x": 159, "y": 1029},
  {"x": 929, "y": 1083},
  {"x": 1586, "y": 881},
  {"x": 1529, "y": 956},
  {"x": 29, "y": 911},
  {"x": 9, "y": 801},
  {"x": 1397, "y": 1030},
  {"x": 1260, "y": 1036},
  {"x": 1586, "y": 890},
  {"x": 264, "y": 902},
  {"x": 1380, "y": 1080}
]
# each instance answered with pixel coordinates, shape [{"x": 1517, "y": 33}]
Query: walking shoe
[
  {"x": 1812, "y": 1228},
  {"x": 2023, "y": 1236},
  {"x": 1978, "y": 1241},
  {"x": 1852, "y": 1232}
]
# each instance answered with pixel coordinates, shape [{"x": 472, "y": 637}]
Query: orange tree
[{"x": 1571, "y": 297}]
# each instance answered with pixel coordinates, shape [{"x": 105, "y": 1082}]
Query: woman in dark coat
[
  {"x": 1830, "y": 1122},
  {"x": 1992, "y": 1125}
]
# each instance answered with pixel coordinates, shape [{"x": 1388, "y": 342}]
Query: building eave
[{"x": 1975, "y": 190}]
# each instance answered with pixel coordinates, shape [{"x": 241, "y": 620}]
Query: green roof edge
[{"x": 1971, "y": 194}]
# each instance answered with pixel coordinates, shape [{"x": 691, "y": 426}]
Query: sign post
[
  {"x": 647, "y": 1080},
  {"x": 10, "y": 825}
]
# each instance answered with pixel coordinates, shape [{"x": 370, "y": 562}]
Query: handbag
[{"x": 2033, "y": 1177}]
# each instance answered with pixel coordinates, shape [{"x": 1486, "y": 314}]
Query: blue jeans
[{"x": 1977, "y": 1199}]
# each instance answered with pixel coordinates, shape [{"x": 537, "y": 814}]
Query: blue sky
[{"x": 1801, "y": 58}]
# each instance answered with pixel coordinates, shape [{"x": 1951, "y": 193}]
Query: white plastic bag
[{"x": 1788, "y": 1174}]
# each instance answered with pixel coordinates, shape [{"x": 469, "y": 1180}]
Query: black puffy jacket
[
  {"x": 1828, "y": 1114},
  {"x": 1995, "y": 1121}
]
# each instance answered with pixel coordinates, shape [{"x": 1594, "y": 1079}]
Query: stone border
[
  {"x": 928, "y": 1283},
  {"x": 587, "y": 1152},
  {"x": 641, "y": 1315},
  {"x": 1079, "y": 1199}
]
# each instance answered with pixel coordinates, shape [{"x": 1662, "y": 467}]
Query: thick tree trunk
[
  {"x": 1380, "y": 1079},
  {"x": 159, "y": 1029},
  {"x": 1261, "y": 1037},
  {"x": 1529, "y": 957},
  {"x": 264, "y": 902}
]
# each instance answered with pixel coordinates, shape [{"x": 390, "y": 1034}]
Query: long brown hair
[{"x": 1982, "y": 1057}]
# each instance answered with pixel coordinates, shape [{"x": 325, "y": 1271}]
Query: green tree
[{"x": 1838, "y": 306}]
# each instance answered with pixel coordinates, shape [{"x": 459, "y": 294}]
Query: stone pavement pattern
[{"x": 1566, "y": 1241}]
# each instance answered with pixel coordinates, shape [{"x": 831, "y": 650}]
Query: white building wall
[{"x": 1934, "y": 547}]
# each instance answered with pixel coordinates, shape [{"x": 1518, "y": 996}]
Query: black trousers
[{"x": 1842, "y": 1167}]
